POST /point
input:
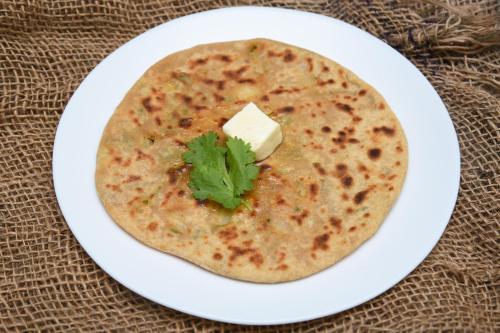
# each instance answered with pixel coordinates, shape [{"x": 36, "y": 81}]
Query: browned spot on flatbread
[
  {"x": 381, "y": 106},
  {"x": 223, "y": 58},
  {"x": 313, "y": 189},
  {"x": 336, "y": 223},
  {"x": 228, "y": 234},
  {"x": 197, "y": 62},
  {"x": 257, "y": 259},
  {"x": 218, "y": 98},
  {"x": 352, "y": 229},
  {"x": 235, "y": 74},
  {"x": 326, "y": 129},
  {"x": 143, "y": 156},
  {"x": 322, "y": 83},
  {"x": 300, "y": 217},
  {"x": 152, "y": 226},
  {"x": 185, "y": 122},
  {"x": 248, "y": 80},
  {"x": 321, "y": 242},
  {"x": 319, "y": 168},
  {"x": 344, "y": 107},
  {"x": 181, "y": 193},
  {"x": 310, "y": 65},
  {"x": 265, "y": 98},
  {"x": 362, "y": 92},
  {"x": 289, "y": 56},
  {"x": 344, "y": 85},
  {"x": 347, "y": 181},
  {"x": 385, "y": 130},
  {"x": 217, "y": 256},
  {"x": 282, "y": 267},
  {"x": 374, "y": 153},
  {"x": 113, "y": 187},
  {"x": 286, "y": 109},
  {"x": 132, "y": 178},
  {"x": 222, "y": 121},
  {"x": 360, "y": 197}
]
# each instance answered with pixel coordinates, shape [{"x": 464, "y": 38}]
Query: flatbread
[{"x": 319, "y": 196}]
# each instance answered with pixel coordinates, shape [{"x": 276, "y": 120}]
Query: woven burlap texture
[{"x": 48, "y": 282}]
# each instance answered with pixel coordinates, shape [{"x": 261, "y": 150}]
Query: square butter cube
[{"x": 255, "y": 127}]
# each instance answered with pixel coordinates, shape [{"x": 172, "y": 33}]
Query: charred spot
[
  {"x": 319, "y": 168},
  {"x": 347, "y": 97},
  {"x": 180, "y": 143},
  {"x": 362, "y": 92},
  {"x": 324, "y": 83},
  {"x": 344, "y": 107},
  {"x": 280, "y": 90},
  {"x": 381, "y": 106},
  {"x": 181, "y": 193},
  {"x": 280, "y": 200},
  {"x": 352, "y": 229},
  {"x": 264, "y": 167},
  {"x": 132, "y": 178},
  {"x": 217, "y": 256},
  {"x": 310, "y": 65},
  {"x": 366, "y": 215},
  {"x": 185, "y": 122},
  {"x": 174, "y": 173},
  {"x": 374, "y": 153},
  {"x": 200, "y": 107},
  {"x": 235, "y": 74},
  {"x": 228, "y": 234},
  {"x": 282, "y": 267},
  {"x": 341, "y": 168},
  {"x": 146, "y": 102},
  {"x": 127, "y": 162},
  {"x": 218, "y": 98},
  {"x": 336, "y": 223},
  {"x": 344, "y": 196},
  {"x": 117, "y": 159},
  {"x": 139, "y": 189},
  {"x": 349, "y": 210},
  {"x": 326, "y": 129},
  {"x": 286, "y": 109},
  {"x": 158, "y": 121},
  {"x": 313, "y": 189},
  {"x": 143, "y": 156},
  {"x": 308, "y": 131},
  {"x": 300, "y": 217},
  {"x": 198, "y": 62},
  {"x": 392, "y": 177},
  {"x": 356, "y": 119},
  {"x": 208, "y": 81},
  {"x": 399, "y": 149},
  {"x": 342, "y": 134},
  {"x": 113, "y": 187},
  {"x": 325, "y": 69},
  {"x": 152, "y": 226},
  {"x": 398, "y": 163},
  {"x": 221, "y": 84},
  {"x": 344, "y": 85},
  {"x": 321, "y": 242},
  {"x": 289, "y": 56},
  {"x": 250, "y": 81},
  {"x": 385, "y": 130},
  {"x": 257, "y": 259},
  {"x": 185, "y": 98},
  {"x": 353, "y": 140},
  {"x": 223, "y": 58},
  {"x": 362, "y": 168},
  {"x": 347, "y": 181},
  {"x": 265, "y": 98},
  {"x": 201, "y": 202},
  {"x": 222, "y": 121},
  {"x": 360, "y": 197}
]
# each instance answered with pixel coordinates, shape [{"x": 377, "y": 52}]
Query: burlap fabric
[{"x": 48, "y": 283}]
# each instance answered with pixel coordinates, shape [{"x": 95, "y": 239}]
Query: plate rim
[{"x": 384, "y": 289}]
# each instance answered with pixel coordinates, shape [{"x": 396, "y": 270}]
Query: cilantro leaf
[
  {"x": 242, "y": 168},
  {"x": 211, "y": 178}
]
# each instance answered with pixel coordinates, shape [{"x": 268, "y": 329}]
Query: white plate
[{"x": 407, "y": 236}]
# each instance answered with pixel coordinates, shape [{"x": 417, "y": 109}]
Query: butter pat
[{"x": 255, "y": 127}]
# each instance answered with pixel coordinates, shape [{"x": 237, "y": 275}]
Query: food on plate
[{"x": 176, "y": 166}]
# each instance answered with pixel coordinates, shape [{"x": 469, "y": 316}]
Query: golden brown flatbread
[{"x": 323, "y": 192}]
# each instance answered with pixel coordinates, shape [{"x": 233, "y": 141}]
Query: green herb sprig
[{"x": 221, "y": 174}]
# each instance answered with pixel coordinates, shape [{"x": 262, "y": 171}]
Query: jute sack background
[{"x": 48, "y": 283}]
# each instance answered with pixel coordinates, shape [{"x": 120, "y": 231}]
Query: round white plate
[{"x": 406, "y": 237}]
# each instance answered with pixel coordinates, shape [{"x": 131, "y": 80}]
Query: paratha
[{"x": 318, "y": 197}]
